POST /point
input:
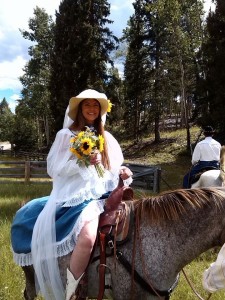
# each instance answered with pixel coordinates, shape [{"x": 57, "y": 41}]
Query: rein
[
  {"x": 161, "y": 293},
  {"x": 110, "y": 241},
  {"x": 154, "y": 291},
  {"x": 193, "y": 289}
]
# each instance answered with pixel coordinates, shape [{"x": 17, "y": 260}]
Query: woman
[{"x": 69, "y": 220}]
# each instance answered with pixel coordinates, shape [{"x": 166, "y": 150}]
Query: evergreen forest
[{"x": 173, "y": 58}]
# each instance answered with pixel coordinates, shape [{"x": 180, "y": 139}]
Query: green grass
[
  {"x": 194, "y": 273},
  {"x": 170, "y": 155},
  {"x": 12, "y": 196}
]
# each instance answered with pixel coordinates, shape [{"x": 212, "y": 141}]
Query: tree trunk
[{"x": 185, "y": 106}]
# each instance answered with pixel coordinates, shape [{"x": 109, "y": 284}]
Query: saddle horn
[{"x": 119, "y": 194}]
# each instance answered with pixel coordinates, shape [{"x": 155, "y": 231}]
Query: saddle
[
  {"x": 196, "y": 176},
  {"x": 115, "y": 218},
  {"x": 113, "y": 228}
]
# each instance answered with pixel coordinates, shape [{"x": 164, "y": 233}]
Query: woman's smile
[{"x": 90, "y": 110}]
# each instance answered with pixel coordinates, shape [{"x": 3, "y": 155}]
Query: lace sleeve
[{"x": 60, "y": 160}]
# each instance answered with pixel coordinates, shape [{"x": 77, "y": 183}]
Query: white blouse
[{"x": 72, "y": 184}]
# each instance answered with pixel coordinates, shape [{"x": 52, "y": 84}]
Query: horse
[
  {"x": 159, "y": 244},
  {"x": 213, "y": 177}
]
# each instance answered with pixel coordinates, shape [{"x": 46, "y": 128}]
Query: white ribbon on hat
[{"x": 67, "y": 120}]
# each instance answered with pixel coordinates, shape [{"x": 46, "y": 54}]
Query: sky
[{"x": 14, "y": 48}]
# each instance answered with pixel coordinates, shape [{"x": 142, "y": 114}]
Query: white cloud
[
  {"x": 118, "y": 5},
  {"x": 15, "y": 14},
  {"x": 13, "y": 102},
  {"x": 9, "y": 73}
]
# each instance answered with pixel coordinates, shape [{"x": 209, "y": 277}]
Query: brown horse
[
  {"x": 213, "y": 177},
  {"x": 160, "y": 245}
]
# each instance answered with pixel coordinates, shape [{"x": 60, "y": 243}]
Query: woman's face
[{"x": 90, "y": 110}]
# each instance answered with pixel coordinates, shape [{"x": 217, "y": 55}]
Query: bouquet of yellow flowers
[{"x": 85, "y": 144}]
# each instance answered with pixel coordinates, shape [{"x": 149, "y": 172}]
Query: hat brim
[{"x": 75, "y": 101}]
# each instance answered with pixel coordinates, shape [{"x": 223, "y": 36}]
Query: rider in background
[
  {"x": 206, "y": 154},
  {"x": 214, "y": 276}
]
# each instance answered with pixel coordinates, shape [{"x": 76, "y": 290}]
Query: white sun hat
[{"x": 87, "y": 94}]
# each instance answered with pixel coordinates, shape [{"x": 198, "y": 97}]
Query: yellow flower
[
  {"x": 86, "y": 146},
  {"x": 80, "y": 135},
  {"x": 101, "y": 142},
  {"x": 72, "y": 140},
  {"x": 74, "y": 151},
  {"x": 109, "y": 106}
]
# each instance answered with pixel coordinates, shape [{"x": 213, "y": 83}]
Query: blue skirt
[{"x": 26, "y": 216}]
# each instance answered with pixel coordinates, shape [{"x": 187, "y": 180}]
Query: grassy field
[
  {"x": 12, "y": 196},
  {"x": 170, "y": 155}
]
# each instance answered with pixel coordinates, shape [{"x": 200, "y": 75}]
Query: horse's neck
[
  {"x": 162, "y": 250},
  {"x": 183, "y": 234}
]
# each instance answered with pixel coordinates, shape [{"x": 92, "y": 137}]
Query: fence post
[{"x": 27, "y": 171}]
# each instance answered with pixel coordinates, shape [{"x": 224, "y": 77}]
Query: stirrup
[{"x": 71, "y": 285}]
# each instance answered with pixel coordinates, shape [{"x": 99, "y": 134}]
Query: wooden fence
[
  {"x": 31, "y": 155},
  {"x": 144, "y": 176},
  {"x": 23, "y": 171}
]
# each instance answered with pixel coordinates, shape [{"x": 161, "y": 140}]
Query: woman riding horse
[{"x": 85, "y": 164}]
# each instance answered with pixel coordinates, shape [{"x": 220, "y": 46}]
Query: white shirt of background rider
[
  {"x": 214, "y": 276},
  {"x": 206, "y": 150}
]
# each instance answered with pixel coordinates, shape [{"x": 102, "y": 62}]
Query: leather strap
[
  {"x": 102, "y": 265},
  {"x": 143, "y": 283}
]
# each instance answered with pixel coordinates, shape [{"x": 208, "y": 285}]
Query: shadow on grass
[
  {"x": 169, "y": 154},
  {"x": 136, "y": 150},
  {"x": 172, "y": 173}
]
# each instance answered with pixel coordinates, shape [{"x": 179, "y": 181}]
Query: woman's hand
[
  {"x": 95, "y": 158},
  {"x": 125, "y": 172}
]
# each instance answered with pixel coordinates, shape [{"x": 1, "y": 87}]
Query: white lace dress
[{"x": 76, "y": 196}]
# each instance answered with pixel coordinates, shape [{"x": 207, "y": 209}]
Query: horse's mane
[{"x": 171, "y": 205}]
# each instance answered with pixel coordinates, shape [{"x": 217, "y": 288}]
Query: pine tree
[
  {"x": 163, "y": 64},
  {"x": 35, "y": 81},
  {"x": 6, "y": 122},
  {"x": 135, "y": 71},
  {"x": 212, "y": 102},
  {"x": 82, "y": 50}
]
